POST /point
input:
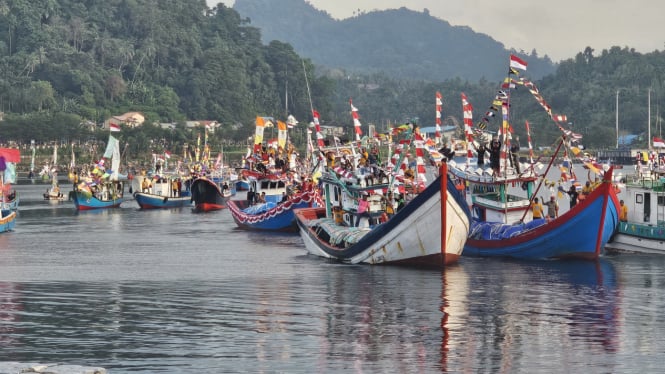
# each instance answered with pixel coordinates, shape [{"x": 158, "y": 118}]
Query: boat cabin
[
  {"x": 645, "y": 198},
  {"x": 343, "y": 202},
  {"x": 274, "y": 189}
]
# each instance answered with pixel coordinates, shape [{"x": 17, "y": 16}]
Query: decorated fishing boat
[
  {"x": 9, "y": 198},
  {"x": 502, "y": 196},
  {"x": 7, "y": 220},
  {"x": 429, "y": 230},
  {"x": 273, "y": 193},
  {"x": 270, "y": 203},
  {"x": 384, "y": 214},
  {"x": 210, "y": 195},
  {"x": 98, "y": 195},
  {"x": 53, "y": 193},
  {"x": 503, "y": 224},
  {"x": 161, "y": 192},
  {"x": 644, "y": 227},
  {"x": 102, "y": 188}
]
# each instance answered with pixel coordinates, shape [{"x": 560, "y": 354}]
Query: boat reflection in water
[
  {"x": 508, "y": 316},
  {"x": 487, "y": 316}
]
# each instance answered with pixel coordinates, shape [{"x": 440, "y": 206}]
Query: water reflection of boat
[{"x": 513, "y": 303}]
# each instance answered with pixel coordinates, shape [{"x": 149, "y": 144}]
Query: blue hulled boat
[
  {"x": 98, "y": 196},
  {"x": 161, "y": 193},
  {"x": 581, "y": 232},
  {"x": 276, "y": 213},
  {"x": 7, "y": 220}
]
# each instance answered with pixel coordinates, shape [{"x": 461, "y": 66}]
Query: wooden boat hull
[
  {"x": 582, "y": 232},
  {"x": 279, "y": 218},
  {"x": 84, "y": 201},
  {"x": 411, "y": 237},
  {"x": 207, "y": 196},
  {"x": 150, "y": 201},
  {"x": 8, "y": 220}
]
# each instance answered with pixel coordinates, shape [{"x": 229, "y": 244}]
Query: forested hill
[
  {"x": 170, "y": 59},
  {"x": 400, "y": 42}
]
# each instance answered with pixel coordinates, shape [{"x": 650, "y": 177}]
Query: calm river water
[{"x": 177, "y": 292}]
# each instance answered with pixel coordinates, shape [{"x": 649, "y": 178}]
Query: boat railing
[
  {"x": 485, "y": 175},
  {"x": 494, "y": 201},
  {"x": 643, "y": 230}
]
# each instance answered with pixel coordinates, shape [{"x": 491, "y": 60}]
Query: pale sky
[{"x": 560, "y": 30}]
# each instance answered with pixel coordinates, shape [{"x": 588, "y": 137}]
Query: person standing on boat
[
  {"x": 447, "y": 152},
  {"x": 514, "y": 154},
  {"x": 623, "y": 214},
  {"x": 482, "y": 148},
  {"x": 363, "y": 208},
  {"x": 536, "y": 209},
  {"x": 250, "y": 197},
  {"x": 495, "y": 155},
  {"x": 390, "y": 205},
  {"x": 572, "y": 192},
  {"x": 587, "y": 189},
  {"x": 261, "y": 198},
  {"x": 174, "y": 187},
  {"x": 552, "y": 209},
  {"x": 145, "y": 185}
]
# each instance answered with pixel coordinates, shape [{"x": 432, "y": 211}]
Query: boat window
[
  {"x": 265, "y": 185},
  {"x": 661, "y": 200},
  {"x": 281, "y": 184}
]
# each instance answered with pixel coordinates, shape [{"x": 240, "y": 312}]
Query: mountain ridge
[{"x": 402, "y": 43}]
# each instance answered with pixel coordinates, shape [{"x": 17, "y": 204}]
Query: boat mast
[
  {"x": 617, "y": 118},
  {"x": 311, "y": 106},
  {"x": 649, "y": 121}
]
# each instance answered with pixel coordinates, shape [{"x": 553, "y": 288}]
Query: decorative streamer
[
  {"x": 317, "y": 126},
  {"x": 468, "y": 124},
  {"x": 439, "y": 104},
  {"x": 281, "y": 134},
  {"x": 419, "y": 143},
  {"x": 356, "y": 120},
  {"x": 258, "y": 134},
  {"x": 528, "y": 138}
]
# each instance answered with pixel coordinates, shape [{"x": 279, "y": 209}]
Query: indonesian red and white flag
[
  {"x": 517, "y": 63},
  {"x": 167, "y": 154},
  {"x": 658, "y": 142},
  {"x": 114, "y": 127}
]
